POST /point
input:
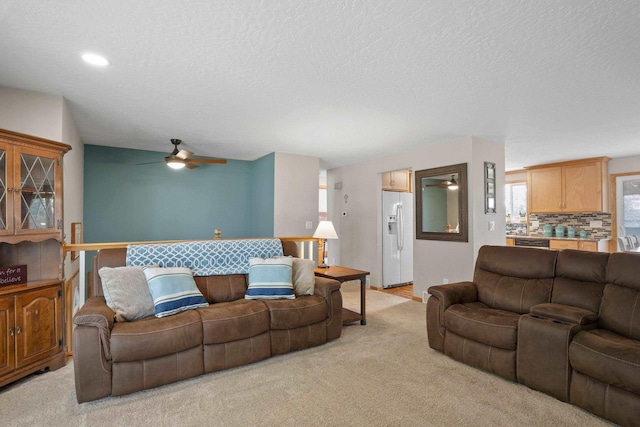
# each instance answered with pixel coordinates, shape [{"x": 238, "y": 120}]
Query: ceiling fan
[
  {"x": 451, "y": 184},
  {"x": 179, "y": 159}
]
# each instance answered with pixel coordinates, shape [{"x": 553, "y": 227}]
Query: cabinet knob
[
  {"x": 11, "y": 333},
  {"x": 18, "y": 330}
]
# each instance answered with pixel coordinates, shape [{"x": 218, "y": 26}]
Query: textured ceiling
[{"x": 345, "y": 81}]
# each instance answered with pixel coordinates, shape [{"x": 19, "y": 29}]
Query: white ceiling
[{"x": 345, "y": 81}]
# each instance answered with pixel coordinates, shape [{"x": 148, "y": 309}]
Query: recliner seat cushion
[
  {"x": 154, "y": 337},
  {"x": 303, "y": 311},
  {"x": 231, "y": 321},
  {"x": 608, "y": 357},
  {"x": 478, "y": 322}
]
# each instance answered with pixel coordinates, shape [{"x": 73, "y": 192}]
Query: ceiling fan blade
[
  {"x": 218, "y": 161},
  {"x": 148, "y": 163},
  {"x": 184, "y": 154},
  {"x": 190, "y": 165}
]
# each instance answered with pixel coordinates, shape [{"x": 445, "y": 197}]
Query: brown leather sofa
[
  {"x": 566, "y": 323},
  {"x": 117, "y": 358}
]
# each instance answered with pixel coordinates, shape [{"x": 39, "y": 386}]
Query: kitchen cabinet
[
  {"x": 590, "y": 246},
  {"x": 563, "y": 244},
  {"x": 31, "y": 321},
  {"x": 31, "y": 220},
  {"x": 399, "y": 180},
  {"x": 576, "y": 186},
  {"x": 511, "y": 241}
]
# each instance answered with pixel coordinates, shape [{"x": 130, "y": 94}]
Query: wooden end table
[{"x": 345, "y": 274}]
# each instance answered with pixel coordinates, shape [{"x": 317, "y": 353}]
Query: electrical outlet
[
  {"x": 595, "y": 224},
  {"x": 425, "y": 296},
  {"x": 445, "y": 280},
  {"x": 535, "y": 224},
  {"x": 308, "y": 225}
]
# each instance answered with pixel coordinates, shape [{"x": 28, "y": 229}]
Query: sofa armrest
[
  {"x": 92, "y": 350},
  {"x": 329, "y": 289},
  {"x": 564, "y": 313},
  {"x": 95, "y": 313},
  {"x": 455, "y": 293},
  {"x": 443, "y": 297}
]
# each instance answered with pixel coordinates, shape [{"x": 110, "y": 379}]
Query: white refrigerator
[{"x": 397, "y": 238}]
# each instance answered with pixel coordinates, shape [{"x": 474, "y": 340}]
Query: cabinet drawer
[
  {"x": 588, "y": 246},
  {"x": 563, "y": 244}
]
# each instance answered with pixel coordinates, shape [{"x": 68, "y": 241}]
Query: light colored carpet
[{"x": 381, "y": 374}]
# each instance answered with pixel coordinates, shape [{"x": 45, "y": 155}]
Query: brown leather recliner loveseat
[
  {"x": 118, "y": 358},
  {"x": 566, "y": 323}
]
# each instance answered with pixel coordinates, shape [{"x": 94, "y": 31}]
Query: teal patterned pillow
[
  {"x": 173, "y": 290},
  {"x": 270, "y": 279}
]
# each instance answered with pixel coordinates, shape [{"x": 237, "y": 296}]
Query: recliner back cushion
[
  {"x": 620, "y": 309},
  {"x": 226, "y": 288},
  {"x": 580, "y": 279},
  {"x": 514, "y": 278}
]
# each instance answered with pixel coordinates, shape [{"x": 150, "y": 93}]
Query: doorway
[
  {"x": 397, "y": 228},
  {"x": 626, "y": 215}
]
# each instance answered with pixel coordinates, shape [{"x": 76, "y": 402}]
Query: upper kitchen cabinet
[
  {"x": 30, "y": 188},
  {"x": 575, "y": 186},
  {"x": 399, "y": 180}
]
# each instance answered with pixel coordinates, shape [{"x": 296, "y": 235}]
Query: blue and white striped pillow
[
  {"x": 270, "y": 279},
  {"x": 173, "y": 290}
]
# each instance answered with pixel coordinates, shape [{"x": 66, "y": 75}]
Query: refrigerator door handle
[{"x": 400, "y": 236}]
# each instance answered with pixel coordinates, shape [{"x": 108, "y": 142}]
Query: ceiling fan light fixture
[
  {"x": 175, "y": 163},
  {"x": 453, "y": 184}
]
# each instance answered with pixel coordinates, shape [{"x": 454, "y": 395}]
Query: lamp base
[{"x": 323, "y": 265}]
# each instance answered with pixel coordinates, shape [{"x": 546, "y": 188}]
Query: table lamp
[{"x": 325, "y": 231}]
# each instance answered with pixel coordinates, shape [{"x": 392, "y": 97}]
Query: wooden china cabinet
[{"x": 31, "y": 313}]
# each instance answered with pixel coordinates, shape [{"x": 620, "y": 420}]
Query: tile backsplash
[{"x": 579, "y": 221}]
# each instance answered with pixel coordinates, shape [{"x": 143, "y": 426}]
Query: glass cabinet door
[
  {"x": 6, "y": 190},
  {"x": 37, "y": 210}
]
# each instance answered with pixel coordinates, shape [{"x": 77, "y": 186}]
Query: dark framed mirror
[{"x": 441, "y": 203}]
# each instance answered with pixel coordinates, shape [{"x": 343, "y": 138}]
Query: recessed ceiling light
[{"x": 94, "y": 59}]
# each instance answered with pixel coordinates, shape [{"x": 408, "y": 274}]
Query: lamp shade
[{"x": 325, "y": 230}]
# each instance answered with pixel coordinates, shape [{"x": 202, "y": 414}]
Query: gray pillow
[
  {"x": 127, "y": 292},
  {"x": 303, "y": 279}
]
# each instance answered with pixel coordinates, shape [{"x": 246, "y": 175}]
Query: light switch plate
[
  {"x": 595, "y": 224},
  {"x": 308, "y": 225},
  {"x": 492, "y": 226}
]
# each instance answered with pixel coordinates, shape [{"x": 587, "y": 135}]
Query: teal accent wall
[{"x": 128, "y": 201}]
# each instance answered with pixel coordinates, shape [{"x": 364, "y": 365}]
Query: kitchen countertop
[{"x": 586, "y": 239}]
